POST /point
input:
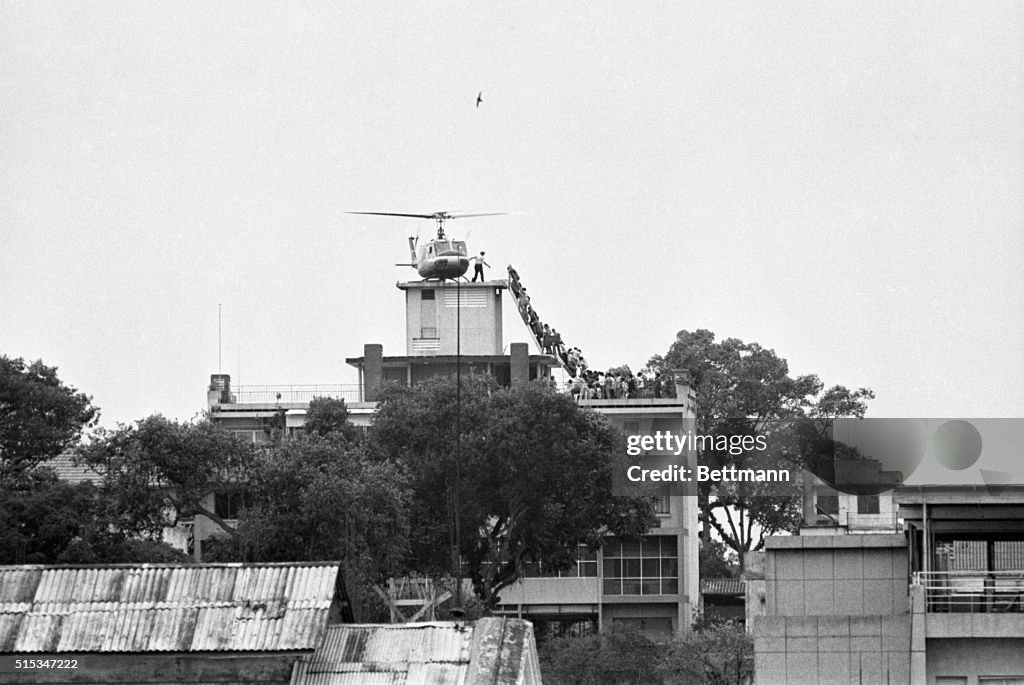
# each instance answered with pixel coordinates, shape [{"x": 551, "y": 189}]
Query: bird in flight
[{"x": 479, "y": 99}]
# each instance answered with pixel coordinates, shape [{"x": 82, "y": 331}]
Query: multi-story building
[
  {"x": 454, "y": 327},
  {"x": 932, "y": 593}
]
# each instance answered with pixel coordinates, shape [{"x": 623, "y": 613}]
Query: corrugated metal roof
[
  {"x": 440, "y": 653},
  {"x": 163, "y": 607},
  {"x": 721, "y": 586},
  {"x": 389, "y": 655}
]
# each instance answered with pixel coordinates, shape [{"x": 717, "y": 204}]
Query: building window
[
  {"x": 867, "y": 504},
  {"x": 828, "y": 504},
  {"x": 228, "y": 505},
  {"x": 585, "y": 567},
  {"x": 648, "y": 566},
  {"x": 255, "y": 437},
  {"x": 428, "y": 315}
]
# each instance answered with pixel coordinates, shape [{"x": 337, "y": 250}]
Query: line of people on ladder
[{"x": 548, "y": 339}]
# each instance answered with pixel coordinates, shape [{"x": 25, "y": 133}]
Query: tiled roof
[
  {"x": 721, "y": 586},
  {"x": 492, "y": 650},
  {"x": 164, "y": 607},
  {"x": 67, "y": 470}
]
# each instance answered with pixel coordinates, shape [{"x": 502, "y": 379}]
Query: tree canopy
[
  {"x": 742, "y": 389},
  {"x": 709, "y": 654},
  {"x": 320, "y": 498},
  {"x": 44, "y": 520},
  {"x": 535, "y": 478},
  {"x": 40, "y": 416},
  {"x": 158, "y": 471},
  {"x": 329, "y": 416}
]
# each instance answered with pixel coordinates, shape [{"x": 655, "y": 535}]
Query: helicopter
[{"x": 441, "y": 258}]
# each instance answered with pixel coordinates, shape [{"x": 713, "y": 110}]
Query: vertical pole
[
  {"x": 926, "y": 553},
  {"x": 458, "y": 441},
  {"x": 220, "y": 347}
]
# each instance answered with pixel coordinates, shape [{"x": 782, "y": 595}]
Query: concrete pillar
[
  {"x": 520, "y": 362},
  {"x": 681, "y": 379},
  {"x": 219, "y": 391},
  {"x": 810, "y": 515},
  {"x": 373, "y": 370},
  {"x": 918, "y": 645}
]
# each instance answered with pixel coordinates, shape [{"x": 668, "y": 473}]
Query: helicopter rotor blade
[
  {"x": 466, "y": 215},
  {"x": 436, "y": 216},
  {"x": 414, "y": 216}
]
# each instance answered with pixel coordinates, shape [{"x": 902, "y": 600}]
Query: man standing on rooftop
[{"x": 478, "y": 266}]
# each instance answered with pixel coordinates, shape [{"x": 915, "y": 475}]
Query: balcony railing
[
  {"x": 973, "y": 592},
  {"x": 292, "y": 394}
]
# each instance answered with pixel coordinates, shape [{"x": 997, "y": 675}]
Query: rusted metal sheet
[
  {"x": 493, "y": 650},
  {"x": 156, "y": 607},
  {"x": 389, "y": 655}
]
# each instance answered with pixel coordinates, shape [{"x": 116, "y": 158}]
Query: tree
[
  {"x": 40, "y": 416},
  {"x": 715, "y": 562},
  {"x": 327, "y": 415},
  {"x": 159, "y": 471},
  {"x": 44, "y": 520},
  {"x": 743, "y": 389},
  {"x": 536, "y": 477},
  {"x": 716, "y": 654},
  {"x": 318, "y": 498},
  {"x": 620, "y": 656}
]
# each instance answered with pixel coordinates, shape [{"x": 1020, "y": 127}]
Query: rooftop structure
[
  {"x": 496, "y": 651},
  {"x": 167, "y": 608},
  {"x": 160, "y": 623},
  {"x": 939, "y": 599}
]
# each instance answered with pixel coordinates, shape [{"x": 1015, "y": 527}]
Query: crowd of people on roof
[
  {"x": 584, "y": 383},
  {"x": 549, "y": 340},
  {"x": 619, "y": 384}
]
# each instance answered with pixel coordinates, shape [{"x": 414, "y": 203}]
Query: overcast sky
[{"x": 843, "y": 183}]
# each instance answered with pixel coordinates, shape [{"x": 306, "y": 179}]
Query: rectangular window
[
  {"x": 228, "y": 505},
  {"x": 649, "y": 566},
  {"x": 867, "y": 504},
  {"x": 828, "y": 504},
  {"x": 585, "y": 567},
  {"x": 661, "y": 505},
  {"x": 428, "y": 314}
]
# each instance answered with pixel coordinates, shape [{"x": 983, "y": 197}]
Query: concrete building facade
[{"x": 939, "y": 600}]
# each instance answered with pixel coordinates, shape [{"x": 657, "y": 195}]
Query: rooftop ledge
[{"x": 835, "y": 541}]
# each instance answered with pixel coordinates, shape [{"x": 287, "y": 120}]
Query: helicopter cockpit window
[{"x": 460, "y": 247}]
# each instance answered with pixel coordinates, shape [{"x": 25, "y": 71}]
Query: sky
[{"x": 840, "y": 182}]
